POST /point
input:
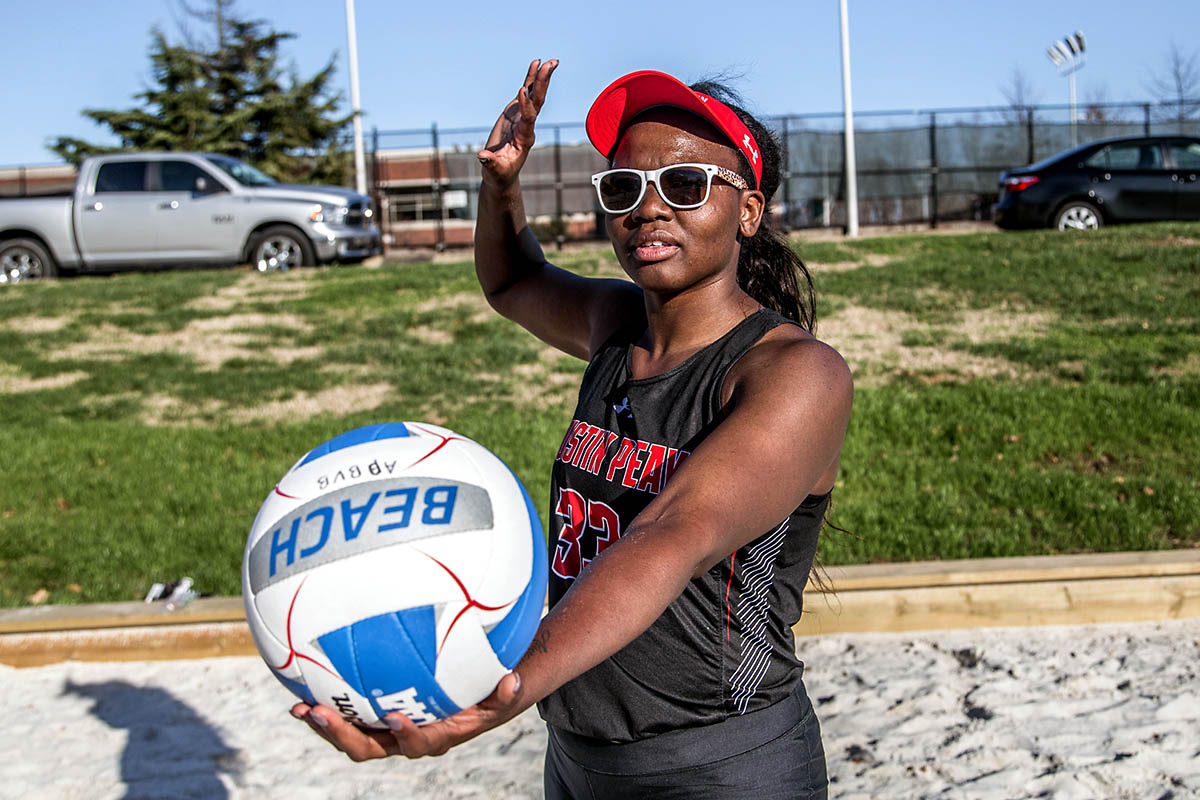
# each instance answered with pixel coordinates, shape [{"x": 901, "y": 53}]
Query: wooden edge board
[
  {"x": 1024, "y": 569},
  {"x": 119, "y": 615},
  {"x": 1068, "y": 602},
  {"x": 158, "y": 643}
]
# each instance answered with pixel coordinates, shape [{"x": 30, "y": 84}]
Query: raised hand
[
  {"x": 408, "y": 739},
  {"x": 512, "y": 136}
]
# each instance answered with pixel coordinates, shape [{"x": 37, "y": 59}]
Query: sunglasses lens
[
  {"x": 619, "y": 190},
  {"x": 684, "y": 186}
]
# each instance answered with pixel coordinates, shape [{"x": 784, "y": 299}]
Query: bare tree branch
[
  {"x": 1177, "y": 84},
  {"x": 1019, "y": 93}
]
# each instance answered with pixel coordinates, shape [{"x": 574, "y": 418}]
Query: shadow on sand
[{"x": 171, "y": 752}]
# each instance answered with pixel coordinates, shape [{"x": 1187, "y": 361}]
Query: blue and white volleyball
[{"x": 397, "y": 567}]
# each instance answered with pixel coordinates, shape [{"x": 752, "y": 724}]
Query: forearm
[
  {"x": 505, "y": 249},
  {"x": 644, "y": 569}
]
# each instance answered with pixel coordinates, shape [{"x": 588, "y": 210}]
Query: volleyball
[{"x": 396, "y": 567}]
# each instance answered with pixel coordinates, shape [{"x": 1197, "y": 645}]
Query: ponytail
[{"x": 769, "y": 270}]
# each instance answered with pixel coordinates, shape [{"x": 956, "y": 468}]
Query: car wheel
[
  {"x": 1078, "y": 216},
  {"x": 25, "y": 259},
  {"x": 280, "y": 247}
]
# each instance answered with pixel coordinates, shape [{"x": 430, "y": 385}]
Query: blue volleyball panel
[
  {"x": 391, "y": 660},
  {"x": 296, "y": 687},
  {"x": 367, "y": 433},
  {"x": 511, "y": 636}
]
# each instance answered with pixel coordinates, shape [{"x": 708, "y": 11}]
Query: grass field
[{"x": 1016, "y": 394}]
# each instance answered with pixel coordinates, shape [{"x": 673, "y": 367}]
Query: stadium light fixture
[{"x": 1069, "y": 54}]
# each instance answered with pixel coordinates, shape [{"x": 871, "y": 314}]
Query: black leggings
[{"x": 772, "y": 753}]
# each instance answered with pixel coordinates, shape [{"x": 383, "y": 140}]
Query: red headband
[{"x": 629, "y": 96}]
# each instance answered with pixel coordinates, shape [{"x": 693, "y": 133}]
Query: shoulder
[{"x": 789, "y": 366}]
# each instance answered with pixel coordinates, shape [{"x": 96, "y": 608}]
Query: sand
[{"x": 1102, "y": 711}]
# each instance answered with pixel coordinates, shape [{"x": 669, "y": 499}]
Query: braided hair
[{"x": 768, "y": 270}]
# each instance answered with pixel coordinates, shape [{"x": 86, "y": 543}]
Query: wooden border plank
[
  {"x": 933, "y": 595},
  {"x": 145, "y": 643},
  {"x": 1065, "y": 602}
]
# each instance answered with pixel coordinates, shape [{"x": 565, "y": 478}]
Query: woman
[{"x": 689, "y": 489}]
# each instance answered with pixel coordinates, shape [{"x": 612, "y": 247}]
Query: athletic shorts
[{"x": 772, "y": 753}]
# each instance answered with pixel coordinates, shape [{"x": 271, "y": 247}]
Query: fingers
[
  {"x": 412, "y": 740},
  {"x": 541, "y": 82},
  {"x": 357, "y": 744}
]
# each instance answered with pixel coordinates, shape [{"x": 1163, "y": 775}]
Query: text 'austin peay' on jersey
[{"x": 725, "y": 646}]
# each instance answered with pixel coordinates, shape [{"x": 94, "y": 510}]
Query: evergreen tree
[{"x": 230, "y": 97}]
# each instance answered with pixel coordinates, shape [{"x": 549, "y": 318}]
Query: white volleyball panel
[{"x": 467, "y": 668}]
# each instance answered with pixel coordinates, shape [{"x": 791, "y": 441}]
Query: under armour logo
[
  {"x": 749, "y": 149},
  {"x": 623, "y": 409}
]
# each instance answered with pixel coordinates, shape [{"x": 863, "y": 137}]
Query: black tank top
[{"x": 725, "y": 646}]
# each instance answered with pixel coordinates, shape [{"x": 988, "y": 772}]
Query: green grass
[{"x": 137, "y": 443}]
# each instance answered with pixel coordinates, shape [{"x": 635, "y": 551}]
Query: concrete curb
[{"x": 932, "y": 595}]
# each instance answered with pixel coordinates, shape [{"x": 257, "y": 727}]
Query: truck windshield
[{"x": 241, "y": 172}]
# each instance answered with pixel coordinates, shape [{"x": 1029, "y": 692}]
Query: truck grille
[{"x": 356, "y": 216}]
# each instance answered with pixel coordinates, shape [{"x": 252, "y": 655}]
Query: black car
[{"x": 1131, "y": 179}]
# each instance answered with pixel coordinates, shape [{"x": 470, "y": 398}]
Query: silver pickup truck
[{"x": 141, "y": 209}]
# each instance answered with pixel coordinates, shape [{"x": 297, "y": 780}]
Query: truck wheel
[
  {"x": 25, "y": 259},
  {"x": 280, "y": 247},
  {"x": 1078, "y": 216}
]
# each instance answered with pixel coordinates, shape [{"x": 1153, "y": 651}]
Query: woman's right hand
[{"x": 512, "y": 137}]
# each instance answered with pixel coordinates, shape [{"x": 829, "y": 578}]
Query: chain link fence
[{"x": 923, "y": 166}]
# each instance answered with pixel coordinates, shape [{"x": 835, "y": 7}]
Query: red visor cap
[{"x": 632, "y": 94}]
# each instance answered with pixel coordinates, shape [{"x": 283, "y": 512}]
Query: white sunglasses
[{"x": 681, "y": 186}]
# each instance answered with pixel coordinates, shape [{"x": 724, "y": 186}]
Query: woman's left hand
[{"x": 406, "y": 738}]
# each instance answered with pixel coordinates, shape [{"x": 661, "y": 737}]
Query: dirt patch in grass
[
  {"x": 871, "y": 341},
  {"x": 1177, "y": 241},
  {"x": 255, "y": 288},
  {"x": 21, "y": 384},
  {"x": 869, "y": 260},
  {"x": 432, "y": 336},
  {"x": 832, "y": 266},
  {"x": 165, "y": 409},
  {"x": 470, "y": 301},
  {"x": 337, "y": 400},
  {"x": 1189, "y": 366},
  {"x": 33, "y": 324},
  {"x": 540, "y": 384},
  {"x": 210, "y": 342}
]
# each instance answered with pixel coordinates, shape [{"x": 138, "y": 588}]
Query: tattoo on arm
[{"x": 540, "y": 642}]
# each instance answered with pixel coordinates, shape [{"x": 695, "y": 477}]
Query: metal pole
[
  {"x": 933, "y": 172},
  {"x": 1074, "y": 131},
  {"x": 440, "y": 243},
  {"x": 1029, "y": 133},
  {"x": 787, "y": 179},
  {"x": 360, "y": 168},
  {"x": 559, "y": 228},
  {"x": 1146, "y": 118},
  {"x": 847, "y": 110}
]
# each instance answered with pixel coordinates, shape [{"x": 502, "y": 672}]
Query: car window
[
  {"x": 180, "y": 176},
  {"x": 1186, "y": 156},
  {"x": 121, "y": 176},
  {"x": 1127, "y": 156}
]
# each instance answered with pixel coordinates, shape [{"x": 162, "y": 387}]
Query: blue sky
[{"x": 457, "y": 63}]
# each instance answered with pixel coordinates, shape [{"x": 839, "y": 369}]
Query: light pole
[
  {"x": 360, "y": 166},
  {"x": 1068, "y": 54},
  {"x": 848, "y": 113}
]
